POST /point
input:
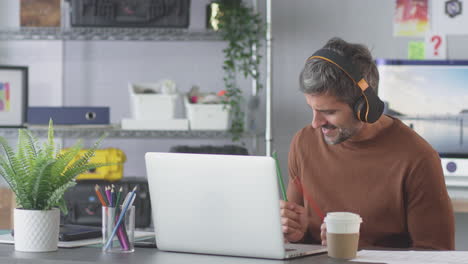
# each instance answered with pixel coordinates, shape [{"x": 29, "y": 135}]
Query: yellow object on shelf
[{"x": 109, "y": 173}]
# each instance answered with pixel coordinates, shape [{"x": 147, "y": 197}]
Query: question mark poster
[
  {"x": 449, "y": 17},
  {"x": 435, "y": 46},
  {"x": 411, "y": 18}
]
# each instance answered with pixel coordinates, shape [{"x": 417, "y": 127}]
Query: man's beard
[{"x": 343, "y": 134}]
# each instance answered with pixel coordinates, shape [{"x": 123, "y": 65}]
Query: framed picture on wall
[{"x": 13, "y": 95}]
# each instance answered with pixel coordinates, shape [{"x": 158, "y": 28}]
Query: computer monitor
[{"x": 429, "y": 96}]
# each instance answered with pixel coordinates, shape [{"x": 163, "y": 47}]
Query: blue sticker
[{"x": 451, "y": 166}]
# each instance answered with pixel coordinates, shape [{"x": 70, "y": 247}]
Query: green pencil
[{"x": 280, "y": 178}]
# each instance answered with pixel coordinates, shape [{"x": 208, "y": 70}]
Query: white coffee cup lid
[
  {"x": 343, "y": 216},
  {"x": 343, "y": 222}
]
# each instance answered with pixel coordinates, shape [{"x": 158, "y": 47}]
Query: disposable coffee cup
[{"x": 342, "y": 234}]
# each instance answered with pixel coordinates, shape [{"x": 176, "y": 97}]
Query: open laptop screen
[{"x": 215, "y": 204}]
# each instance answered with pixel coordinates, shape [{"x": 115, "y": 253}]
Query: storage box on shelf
[
  {"x": 152, "y": 111},
  {"x": 150, "y": 106},
  {"x": 207, "y": 116}
]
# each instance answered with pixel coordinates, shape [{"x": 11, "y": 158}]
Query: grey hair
[{"x": 322, "y": 77}]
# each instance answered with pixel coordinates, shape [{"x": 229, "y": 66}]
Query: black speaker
[
  {"x": 368, "y": 108},
  {"x": 84, "y": 207}
]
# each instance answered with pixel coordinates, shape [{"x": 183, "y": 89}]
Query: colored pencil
[
  {"x": 112, "y": 194},
  {"x": 309, "y": 198},
  {"x": 280, "y": 178},
  {"x": 97, "y": 189},
  {"x": 117, "y": 200},
  {"x": 108, "y": 196}
]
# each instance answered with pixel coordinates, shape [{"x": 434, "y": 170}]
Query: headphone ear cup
[{"x": 360, "y": 109}]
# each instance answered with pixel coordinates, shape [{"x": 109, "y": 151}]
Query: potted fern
[{"x": 39, "y": 176}]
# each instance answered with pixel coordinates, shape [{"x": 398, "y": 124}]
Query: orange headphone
[{"x": 368, "y": 108}]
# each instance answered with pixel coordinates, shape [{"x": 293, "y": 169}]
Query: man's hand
[
  {"x": 323, "y": 234},
  {"x": 294, "y": 221}
]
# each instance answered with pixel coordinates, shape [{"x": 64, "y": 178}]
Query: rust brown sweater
[{"x": 394, "y": 181}]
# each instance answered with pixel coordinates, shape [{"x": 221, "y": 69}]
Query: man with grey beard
[{"x": 353, "y": 158}]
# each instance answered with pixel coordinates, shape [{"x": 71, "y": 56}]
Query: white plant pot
[{"x": 36, "y": 230}]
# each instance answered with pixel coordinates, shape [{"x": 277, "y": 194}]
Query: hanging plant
[{"x": 243, "y": 29}]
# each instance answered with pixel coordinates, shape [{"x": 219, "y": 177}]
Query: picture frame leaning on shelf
[{"x": 13, "y": 95}]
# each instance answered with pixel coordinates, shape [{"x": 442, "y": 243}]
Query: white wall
[{"x": 43, "y": 58}]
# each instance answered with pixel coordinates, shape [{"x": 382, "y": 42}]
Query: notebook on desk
[{"x": 218, "y": 204}]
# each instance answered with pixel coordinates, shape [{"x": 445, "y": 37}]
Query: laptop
[{"x": 218, "y": 204}]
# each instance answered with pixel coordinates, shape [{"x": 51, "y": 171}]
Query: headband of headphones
[{"x": 373, "y": 105}]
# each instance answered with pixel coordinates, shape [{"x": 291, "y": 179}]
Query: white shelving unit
[
  {"x": 116, "y": 132},
  {"x": 67, "y": 33},
  {"x": 100, "y": 33}
]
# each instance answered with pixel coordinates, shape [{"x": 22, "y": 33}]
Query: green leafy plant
[
  {"x": 243, "y": 29},
  {"x": 39, "y": 176}
]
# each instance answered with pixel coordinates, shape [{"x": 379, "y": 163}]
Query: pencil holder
[{"x": 118, "y": 232}]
